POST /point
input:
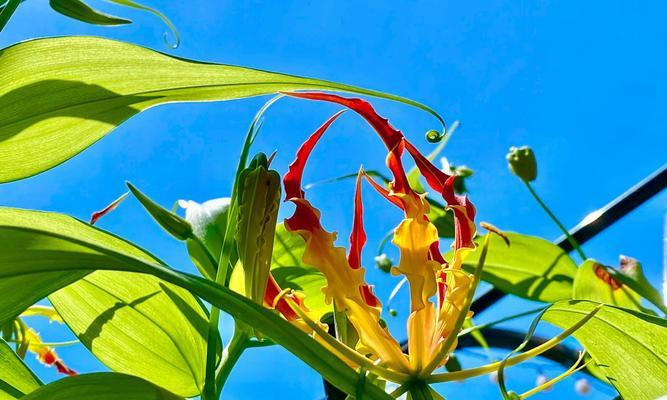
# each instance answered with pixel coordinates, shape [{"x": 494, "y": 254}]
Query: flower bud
[
  {"x": 522, "y": 163},
  {"x": 582, "y": 387},
  {"x": 383, "y": 262},
  {"x": 541, "y": 380},
  {"x": 258, "y": 201}
]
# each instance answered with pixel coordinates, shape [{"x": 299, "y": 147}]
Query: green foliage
[
  {"x": 139, "y": 325},
  {"x": 530, "y": 267},
  {"x": 58, "y": 96},
  {"x": 16, "y": 380},
  {"x": 593, "y": 282},
  {"x": 102, "y": 386},
  {"x": 172, "y": 223},
  {"x": 81, "y": 11},
  {"x": 38, "y": 243},
  {"x": 628, "y": 346}
]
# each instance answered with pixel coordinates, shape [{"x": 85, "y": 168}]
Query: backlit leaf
[
  {"x": 102, "y": 386},
  {"x": 530, "y": 267},
  {"x": 16, "y": 380},
  {"x": 139, "y": 325},
  {"x": 79, "y": 10},
  {"x": 33, "y": 244},
  {"x": 58, "y": 96},
  {"x": 628, "y": 346}
]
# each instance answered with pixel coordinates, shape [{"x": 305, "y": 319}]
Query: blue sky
[{"x": 581, "y": 82}]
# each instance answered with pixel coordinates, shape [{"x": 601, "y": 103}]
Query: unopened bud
[
  {"x": 393, "y": 312},
  {"x": 541, "y": 380},
  {"x": 522, "y": 163},
  {"x": 582, "y": 387},
  {"x": 383, "y": 262}
]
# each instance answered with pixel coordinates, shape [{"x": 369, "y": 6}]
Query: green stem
[
  {"x": 236, "y": 346},
  {"x": 498, "y": 321},
  {"x": 546, "y": 209},
  {"x": 420, "y": 391},
  {"x": 7, "y": 12},
  {"x": 224, "y": 267}
]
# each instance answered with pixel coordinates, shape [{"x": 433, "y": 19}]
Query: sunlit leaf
[
  {"x": 16, "y": 380},
  {"x": 530, "y": 267},
  {"x": 34, "y": 244},
  {"x": 291, "y": 272},
  {"x": 594, "y": 283},
  {"x": 79, "y": 10},
  {"x": 139, "y": 325},
  {"x": 102, "y": 386},
  {"x": 58, "y": 96},
  {"x": 628, "y": 346}
]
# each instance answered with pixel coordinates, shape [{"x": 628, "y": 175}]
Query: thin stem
[
  {"x": 498, "y": 321},
  {"x": 534, "y": 352},
  {"x": 574, "y": 368},
  {"x": 420, "y": 391},
  {"x": 51, "y": 344},
  {"x": 546, "y": 209},
  {"x": 224, "y": 266},
  {"x": 236, "y": 346}
]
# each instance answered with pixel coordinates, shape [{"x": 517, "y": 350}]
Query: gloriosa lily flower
[
  {"x": 431, "y": 326},
  {"x": 45, "y": 354}
]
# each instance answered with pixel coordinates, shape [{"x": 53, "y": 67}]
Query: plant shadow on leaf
[
  {"x": 192, "y": 316},
  {"x": 61, "y": 98},
  {"x": 95, "y": 328}
]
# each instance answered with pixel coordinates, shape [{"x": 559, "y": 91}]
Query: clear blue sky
[{"x": 581, "y": 82}]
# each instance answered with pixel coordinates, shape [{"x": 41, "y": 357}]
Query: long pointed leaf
[
  {"x": 33, "y": 243},
  {"x": 58, "y": 96}
]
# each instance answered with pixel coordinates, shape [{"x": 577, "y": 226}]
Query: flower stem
[
  {"x": 546, "y": 209},
  {"x": 236, "y": 346},
  {"x": 534, "y": 352}
]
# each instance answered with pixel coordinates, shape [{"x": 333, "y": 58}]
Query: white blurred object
[
  {"x": 582, "y": 387},
  {"x": 493, "y": 377},
  {"x": 541, "y": 380}
]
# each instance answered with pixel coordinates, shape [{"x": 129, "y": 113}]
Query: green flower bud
[
  {"x": 383, "y": 262},
  {"x": 522, "y": 163},
  {"x": 393, "y": 312},
  {"x": 258, "y": 201}
]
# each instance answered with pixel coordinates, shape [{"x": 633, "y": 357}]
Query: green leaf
[
  {"x": 290, "y": 271},
  {"x": 628, "y": 346},
  {"x": 530, "y": 267},
  {"x": 442, "y": 218},
  {"x": 209, "y": 221},
  {"x": 7, "y": 11},
  {"x": 16, "y": 380},
  {"x": 170, "y": 222},
  {"x": 139, "y": 325},
  {"x": 58, "y": 96},
  {"x": 594, "y": 283},
  {"x": 101, "y": 386},
  {"x": 34, "y": 243},
  {"x": 79, "y": 10},
  {"x": 632, "y": 274}
]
